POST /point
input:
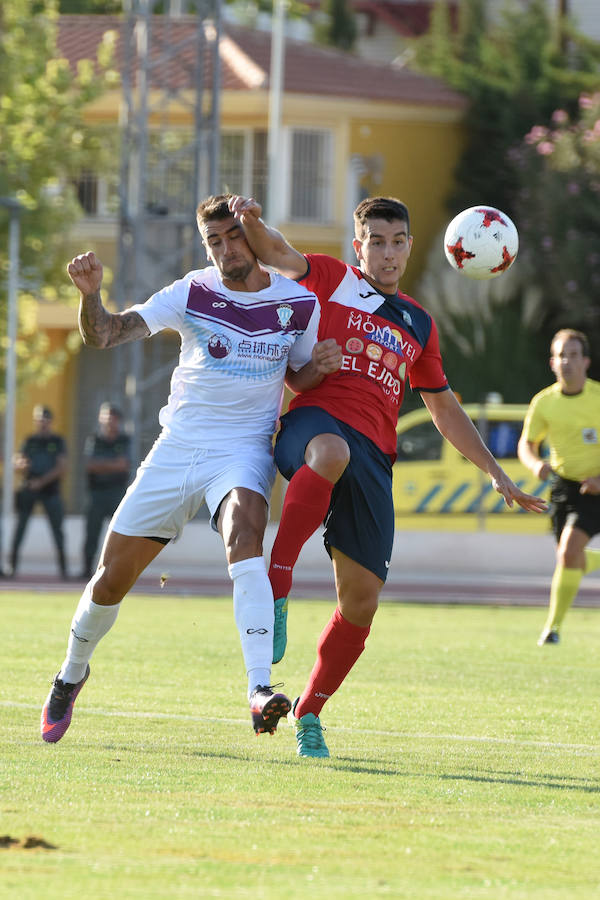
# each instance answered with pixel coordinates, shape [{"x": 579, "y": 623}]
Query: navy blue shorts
[{"x": 360, "y": 519}]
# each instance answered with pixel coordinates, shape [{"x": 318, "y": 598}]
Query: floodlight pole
[
  {"x": 14, "y": 208},
  {"x": 276, "y": 86}
]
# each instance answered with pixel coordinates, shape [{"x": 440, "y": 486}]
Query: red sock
[
  {"x": 340, "y": 645},
  {"x": 304, "y": 508}
]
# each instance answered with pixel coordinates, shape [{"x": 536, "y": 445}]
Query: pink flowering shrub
[{"x": 558, "y": 212}]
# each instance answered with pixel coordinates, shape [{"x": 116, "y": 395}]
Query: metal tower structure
[{"x": 169, "y": 162}]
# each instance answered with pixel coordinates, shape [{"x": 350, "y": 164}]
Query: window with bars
[
  {"x": 311, "y": 176},
  {"x": 243, "y": 170},
  {"x": 244, "y": 166},
  {"x": 97, "y": 195},
  {"x": 170, "y": 173}
]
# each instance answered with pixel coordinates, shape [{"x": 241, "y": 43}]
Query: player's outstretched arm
[
  {"x": 454, "y": 424},
  {"x": 267, "y": 243},
  {"x": 99, "y": 327}
]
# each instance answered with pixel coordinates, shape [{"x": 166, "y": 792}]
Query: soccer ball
[{"x": 481, "y": 242}]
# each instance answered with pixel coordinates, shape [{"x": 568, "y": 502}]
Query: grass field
[{"x": 464, "y": 760}]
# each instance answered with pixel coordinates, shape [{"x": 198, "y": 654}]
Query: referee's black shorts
[
  {"x": 570, "y": 507},
  {"x": 360, "y": 520}
]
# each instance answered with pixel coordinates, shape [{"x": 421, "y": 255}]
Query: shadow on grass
[
  {"x": 362, "y": 766},
  {"x": 342, "y": 763},
  {"x": 556, "y": 782}
]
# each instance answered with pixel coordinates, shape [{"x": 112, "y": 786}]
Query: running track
[{"x": 452, "y": 589}]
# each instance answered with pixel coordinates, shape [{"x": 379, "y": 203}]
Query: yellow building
[{"x": 350, "y": 128}]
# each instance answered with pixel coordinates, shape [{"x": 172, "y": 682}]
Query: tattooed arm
[{"x": 99, "y": 327}]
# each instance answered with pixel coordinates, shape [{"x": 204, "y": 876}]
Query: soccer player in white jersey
[
  {"x": 337, "y": 443},
  {"x": 243, "y": 330}
]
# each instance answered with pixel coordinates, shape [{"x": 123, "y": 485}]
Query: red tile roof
[
  {"x": 409, "y": 18},
  {"x": 245, "y": 62}
]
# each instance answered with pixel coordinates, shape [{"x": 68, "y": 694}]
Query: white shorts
[{"x": 173, "y": 481}]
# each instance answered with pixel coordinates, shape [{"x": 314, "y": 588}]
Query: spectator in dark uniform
[
  {"x": 108, "y": 466},
  {"x": 42, "y": 463}
]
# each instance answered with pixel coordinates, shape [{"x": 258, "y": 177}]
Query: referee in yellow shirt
[{"x": 567, "y": 416}]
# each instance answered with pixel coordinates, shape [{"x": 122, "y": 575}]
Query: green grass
[{"x": 464, "y": 760}]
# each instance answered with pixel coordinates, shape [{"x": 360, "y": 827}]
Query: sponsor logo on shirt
[
  {"x": 384, "y": 335},
  {"x": 219, "y": 346},
  {"x": 379, "y": 353},
  {"x": 354, "y": 345},
  {"x": 262, "y": 350},
  {"x": 390, "y": 360}
]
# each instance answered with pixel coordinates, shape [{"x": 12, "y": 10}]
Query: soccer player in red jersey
[{"x": 337, "y": 443}]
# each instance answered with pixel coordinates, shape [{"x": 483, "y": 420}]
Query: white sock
[
  {"x": 254, "y": 615},
  {"x": 90, "y": 623}
]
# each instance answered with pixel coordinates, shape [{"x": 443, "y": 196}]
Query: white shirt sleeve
[
  {"x": 301, "y": 350},
  {"x": 166, "y": 308}
]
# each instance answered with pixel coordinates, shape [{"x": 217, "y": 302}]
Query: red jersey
[{"x": 385, "y": 339}]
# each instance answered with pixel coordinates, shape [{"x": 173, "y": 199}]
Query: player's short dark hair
[
  {"x": 42, "y": 412},
  {"x": 571, "y": 334},
  {"x": 213, "y": 207},
  {"x": 388, "y": 208}
]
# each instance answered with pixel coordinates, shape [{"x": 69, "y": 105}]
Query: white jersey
[{"x": 235, "y": 348}]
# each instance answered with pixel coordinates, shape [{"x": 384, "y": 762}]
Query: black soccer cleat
[
  {"x": 268, "y": 708},
  {"x": 551, "y": 637}
]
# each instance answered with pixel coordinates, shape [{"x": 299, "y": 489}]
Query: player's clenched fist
[
  {"x": 85, "y": 271},
  {"x": 244, "y": 208},
  {"x": 327, "y": 356}
]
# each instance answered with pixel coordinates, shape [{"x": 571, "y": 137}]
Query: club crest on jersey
[
  {"x": 284, "y": 314},
  {"x": 219, "y": 346}
]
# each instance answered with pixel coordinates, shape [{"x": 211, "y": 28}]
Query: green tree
[
  {"x": 514, "y": 70},
  {"x": 111, "y": 7},
  {"x": 337, "y": 27},
  {"x": 558, "y": 208},
  {"x": 91, "y": 7},
  {"x": 44, "y": 145}
]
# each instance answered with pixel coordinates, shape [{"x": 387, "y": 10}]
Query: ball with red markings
[{"x": 481, "y": 242}]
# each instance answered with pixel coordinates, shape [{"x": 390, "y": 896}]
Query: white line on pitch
[{"x": 419, "y": 736}]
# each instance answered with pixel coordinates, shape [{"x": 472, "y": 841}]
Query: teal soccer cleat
[
  {"x": 280, "y": 629},
  {"x": 309, "y": 735}
]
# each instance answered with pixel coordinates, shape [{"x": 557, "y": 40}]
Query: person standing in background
[
  {"x": 567, "y": 416},
  {"x": 108, "y": 466},
  {"x": 42, "y": 463}
]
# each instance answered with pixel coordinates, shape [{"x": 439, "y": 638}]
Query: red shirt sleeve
[
  {"x": 428, "y": 374},
  {"x": 324, "y": 274}
]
